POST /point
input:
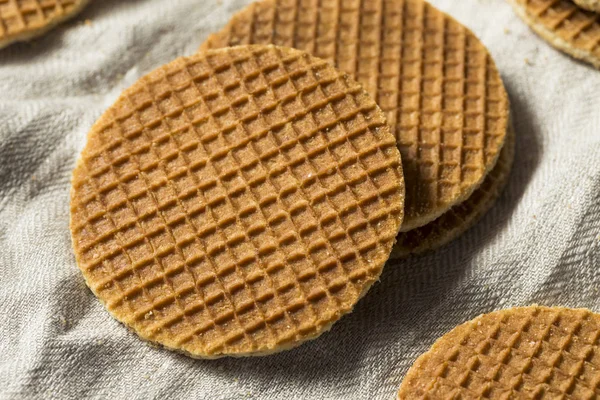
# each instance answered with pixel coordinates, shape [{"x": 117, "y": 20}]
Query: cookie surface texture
[
  {"x": 591, "y": 5},
  {"x": 564, "y": 25},
  {"x": 21, "y": 20},
  {"x": 437, "y": 84},
  {"x": 459, "y": 218},
  {"x": 236, "y": 202},
  {"x": 520, "y": 353}
]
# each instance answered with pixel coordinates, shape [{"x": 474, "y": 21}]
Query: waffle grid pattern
[
  {"x": 237, "y": 202},
  {"x": 462, "y": 216},
  {"x": 572, "y": 24},
  {"x": 20, "y": 16},
  {"x": 530, "y": 352},
  {"x": 435, "y": 81}
]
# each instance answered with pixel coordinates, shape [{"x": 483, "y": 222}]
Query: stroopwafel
[
  {"x": 564, "y": 25},
  {"x": 520, "y": 353},
  {"x": 236, "y": 202},
  {"x": 22, "y": 20},
  {"x": 437, "y": 84}
]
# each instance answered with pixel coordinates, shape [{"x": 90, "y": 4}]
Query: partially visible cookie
[
  {"x": 22, "y": 20},
  {"x": 520, "y": 353},
  {"x": 237, "y": 202},
  {"x": 459, "y": 218},
  {"x": 592, "y": 5},
  {"x": 436, "y": 82},
  {"x": 564, "y": 25}
]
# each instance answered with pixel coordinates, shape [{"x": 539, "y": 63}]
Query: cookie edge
[
  {"x": 399, "y": 253},
  {"x": 423, "y": 358},
  {"x": 552, "y": 38},
  {"x": 30, "y": 35}
]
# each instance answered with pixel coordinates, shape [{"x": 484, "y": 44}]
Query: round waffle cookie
[
  {"x": 21, "y": 20},
  {"x": 436, "y": 83},
  {"x": 520, "y": 353},
  {"x": 463, "y": 216},
  {"x": 237, "y": 202},
  {"x": 592, "y": 5},
  {"x": 564, "y": 25}
]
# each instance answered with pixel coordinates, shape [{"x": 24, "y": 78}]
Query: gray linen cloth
[{"x": 539, "y": 244}]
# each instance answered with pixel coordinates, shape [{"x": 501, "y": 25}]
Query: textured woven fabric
[{"x": 539, "y": 244}]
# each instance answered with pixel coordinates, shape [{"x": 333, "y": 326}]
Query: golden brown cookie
[
  {"x": 461, "y": 217},
  {"x": 237, "y": 202},
  {"x": 520, "y": 353},
  {"x": 437, "y": 84},
  {"x": 21, "y": 20},
  {"x": 564, "y": 25},
  {"x": 591, "y": 5}
]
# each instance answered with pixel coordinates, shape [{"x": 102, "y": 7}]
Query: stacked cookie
[
  {"x": 241, "y": 200},
  {"x": 573, "y": 27},
  {"x": 437, "y": 84}
]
